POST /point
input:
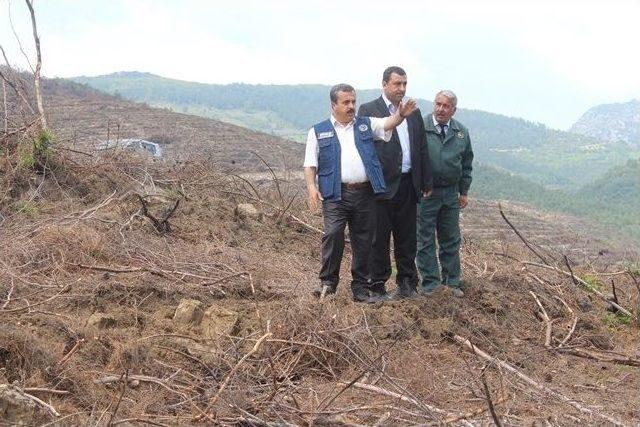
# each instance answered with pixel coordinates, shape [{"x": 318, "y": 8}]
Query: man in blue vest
[{"x": 341, "y": 155}]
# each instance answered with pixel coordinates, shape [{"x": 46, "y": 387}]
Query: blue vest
[{"x": 329, "y": 178}]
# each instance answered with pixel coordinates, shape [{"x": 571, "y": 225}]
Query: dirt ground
[{"x": 110, "y": 318}]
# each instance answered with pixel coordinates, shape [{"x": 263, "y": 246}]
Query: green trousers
[{"x": 439, "y": 218}]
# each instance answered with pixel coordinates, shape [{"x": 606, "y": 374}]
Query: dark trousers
[
  {"x": 439, "y": 215},
  {"x": 357, "y": 210},
  {"x": 396, "y": 217}
]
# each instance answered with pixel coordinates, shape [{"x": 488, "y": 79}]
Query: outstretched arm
[{"x": 404, "y": 110}]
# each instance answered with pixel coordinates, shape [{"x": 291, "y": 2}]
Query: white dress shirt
[
  {"x": 436, "y": 124},
  {"x": 351, "y": 165},
  {"x": 403, "y": 135}
]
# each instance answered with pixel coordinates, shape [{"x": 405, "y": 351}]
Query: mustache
[{"x": 351, "y": 111}]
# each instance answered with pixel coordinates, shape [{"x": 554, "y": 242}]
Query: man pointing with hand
[{"x": 340, "y": 153}]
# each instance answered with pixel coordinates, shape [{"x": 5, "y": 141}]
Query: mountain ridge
[{"x": 612, "y": 122}]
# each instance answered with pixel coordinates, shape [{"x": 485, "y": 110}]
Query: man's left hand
[
  {"x": 427, "y": 193},
  {"x": 463, "y": 201},
  {"x": 407, "y": 108}
]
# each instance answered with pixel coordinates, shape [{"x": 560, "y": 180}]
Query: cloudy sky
[{"x": 543, "y": 60}]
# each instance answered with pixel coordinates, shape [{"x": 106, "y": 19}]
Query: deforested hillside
[
  {"x": 138, "y": 292},
  {"x": 83, "y": 118}
]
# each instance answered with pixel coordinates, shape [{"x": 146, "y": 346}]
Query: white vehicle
[{"x": 135, "y": 144}]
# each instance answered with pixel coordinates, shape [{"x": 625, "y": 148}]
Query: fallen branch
[
  {"x": 29, "y": 306},
  {"x": 402, "y": 397},
  {"x": 602, "y": 357},
  {"x": 209, "y": 281},
  {"x": 7, "y": 390},
  {"x": 515, "y": 230},
  {"x": 231, "y": 373},
  {"x": 225, "y": 278},
  {"x": 108, "y": 379},
  {"x": 547, "y": 321},
  {"x": 124, "y": 376},
  {"x": 45, "y": 390},
  {"x": 138, "y": 420},
  {"x": 573, "y": 328},
  {"x": 475, "y": 413},
  {"x": 70, "y": 353},
  {"x": 584, "y": 284},
  {"x": 161, "y": 225},
  {"x": 468, "y": 345},
  {"x": 490, "y": 404}
]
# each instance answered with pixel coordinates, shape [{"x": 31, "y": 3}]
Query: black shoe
[
  {"x": 330, "y": 290},
  {"x": 406, "y": 289},
  {"x": 362, "y": 299},
  {"x": 378, "y": 292},
  {"x": 376, "y": 297},
  {"x": 378, "y": 288},
  {"x": 361, "y": 293}
]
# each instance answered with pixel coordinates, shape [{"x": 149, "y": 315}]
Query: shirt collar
[
  {"x": 435, "y": 122},
  {"x": 336, "y": 123},
  {"x": 387, "y": 102}
]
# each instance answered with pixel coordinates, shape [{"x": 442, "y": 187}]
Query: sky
[{"x": 545, "y": 61}]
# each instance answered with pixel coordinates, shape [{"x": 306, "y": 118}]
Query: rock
[
  {"x": 101, "y": 321},
  {"x": 219, "y": 321},
  {"x": 15, "y": 407},
  {"x": 601, "y": 341},
  {"x": 585, "y": 305},
  {"x": 188, "y": 311},
  {"x": 246, "y": 211}
]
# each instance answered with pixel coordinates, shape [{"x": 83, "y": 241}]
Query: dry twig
[
  {"x": 583, "y": 283},
  {"x": 572, "y": 402}
]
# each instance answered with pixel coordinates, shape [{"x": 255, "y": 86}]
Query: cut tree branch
[
  {"x": 525, "y": 241},
  {"x": 464, "y": 342},
  {"x": 584, "y": 284}
]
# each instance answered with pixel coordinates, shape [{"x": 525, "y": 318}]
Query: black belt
[{"x": 356, "y": 185}]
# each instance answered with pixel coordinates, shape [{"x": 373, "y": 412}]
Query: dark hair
[
  {"x": 386, "y": 75},
  {"x": 340, "y": 87}
]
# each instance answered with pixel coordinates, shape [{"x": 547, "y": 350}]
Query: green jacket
[{"x": 450, "y": 160}]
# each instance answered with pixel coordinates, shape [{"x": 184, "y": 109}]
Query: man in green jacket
[{"x": 451, "y": 157}]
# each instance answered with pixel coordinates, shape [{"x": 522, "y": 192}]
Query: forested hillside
[{"x": 612, "y": 200}]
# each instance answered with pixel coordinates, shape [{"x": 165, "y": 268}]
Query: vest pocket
[
  {"x": 325, "y": 183},
  {"x": 326, "y": 156}
]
